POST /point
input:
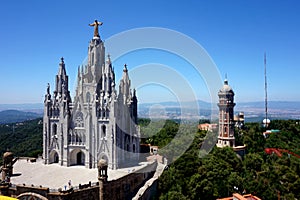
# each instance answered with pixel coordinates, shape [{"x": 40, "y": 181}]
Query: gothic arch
[
  {"x": 127, "y": 143},
  {"x": 54, "y": 157},
  {"x": 54, "y": 129},
  {"x": 77, "y": 157},
  {"x": 31, "y": 195},
  {"x": 103, "y": 131}
]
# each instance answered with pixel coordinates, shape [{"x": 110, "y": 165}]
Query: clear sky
[{"x": 34, "y": 34}]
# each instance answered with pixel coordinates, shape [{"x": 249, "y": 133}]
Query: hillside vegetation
[
  {"x": 219, "y": 174},
  {"x": 23, "y": 139},
  {"x": 222, "y": 172},
  {"x": 13, "y": 116}
]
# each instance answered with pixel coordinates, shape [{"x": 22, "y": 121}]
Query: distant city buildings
[{"x": 207, "y": 127}]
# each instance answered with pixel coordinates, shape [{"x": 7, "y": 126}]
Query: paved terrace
[{"x": 55, "y": 176}]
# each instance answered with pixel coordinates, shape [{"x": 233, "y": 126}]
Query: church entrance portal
[
  {"x": 54, "y": 158},
  {"x": 80, "y": 158},
  {"x": 77, "y": 157}
]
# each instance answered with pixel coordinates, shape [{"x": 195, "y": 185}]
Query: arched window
[
  {"x": 88, "y": 97},
  {"x": 76, "y": 136},
  {"x": 83, "y": 138},
  {"x": 80, "y": 138},
  {"x": 103, "y": 131},
  {"x": 69, "y": 138},
  {"x": 54, "y": 129},
  {"x": 56, "y": 158}
]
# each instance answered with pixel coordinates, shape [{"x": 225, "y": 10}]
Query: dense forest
[
  {"x": 222, "y": 172},
  {"x": 14, "y": 116},
  {"x": 23, "y": 138}
]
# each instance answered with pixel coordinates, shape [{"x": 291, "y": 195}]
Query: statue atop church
[{"x": 96, "y": 24}]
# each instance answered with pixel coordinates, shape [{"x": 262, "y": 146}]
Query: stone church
[{"x": 99, "y": 122}]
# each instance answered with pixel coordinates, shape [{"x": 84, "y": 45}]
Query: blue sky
[{"x": 34, "y": 35}]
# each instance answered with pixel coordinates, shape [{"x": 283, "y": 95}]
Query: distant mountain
[
  {"x": 27, "y": 107},
  {"x": 12, "y": 116}
]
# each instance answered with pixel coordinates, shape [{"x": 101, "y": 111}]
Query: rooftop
[
  {"x": 237, "y": 196},
  {"x": 55, "y": 176}
]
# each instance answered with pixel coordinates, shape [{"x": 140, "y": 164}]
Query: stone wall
[
  {"x": 150, "y": 192},
  {"x": 123, "y": 188},
  {"x": 127, "y": 186}
]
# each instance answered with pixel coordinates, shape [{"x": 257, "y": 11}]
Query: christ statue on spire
[{"x": 96, "y": 24}]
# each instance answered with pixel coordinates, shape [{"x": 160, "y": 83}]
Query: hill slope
[
  {"x": 12, "y": 116},
  {"x": 24, "y": 139}
]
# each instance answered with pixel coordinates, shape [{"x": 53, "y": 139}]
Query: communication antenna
[{"x": 266, "y": 92}]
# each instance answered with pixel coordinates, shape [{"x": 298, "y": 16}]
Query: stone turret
[
  {"x": 7, "y": 168},
  {"x": 102, "y": 177}
]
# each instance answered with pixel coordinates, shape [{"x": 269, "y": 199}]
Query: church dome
[
  {"x": 226, "y": 87},
  {"x": 102, "y": 163}
]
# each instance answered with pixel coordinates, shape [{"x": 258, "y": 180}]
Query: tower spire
[
  {"x": 61, "y": 77},
  {"x": 62, "y": 69}
]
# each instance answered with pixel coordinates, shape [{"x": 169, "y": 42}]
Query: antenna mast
[{"x": 266, "y": 94}]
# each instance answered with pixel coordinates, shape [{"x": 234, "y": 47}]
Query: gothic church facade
[{"x": 100, "y": 123}]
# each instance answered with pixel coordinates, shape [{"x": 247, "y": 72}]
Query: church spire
[
  {"x": 61, "y": 78},
  {"x": 125, "y": 84}
]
